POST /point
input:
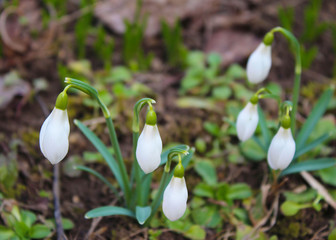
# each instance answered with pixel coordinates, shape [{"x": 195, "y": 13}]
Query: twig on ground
[
  {"x": 142, "y": 230},
  {"x": 57, "y": 210},
  {"x": 319, "y": 187},
  {"x": 56, "y": 188}
]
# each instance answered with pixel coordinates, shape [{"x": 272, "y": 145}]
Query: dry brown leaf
[
  {"x": 169, "y": 10},
  {"x": 233, "y": 46}
]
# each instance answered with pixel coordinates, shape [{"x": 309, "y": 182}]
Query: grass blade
[
  {"x": 98, "y": 175},
  {"x": 311, "y": 145},
  {"x": 263, "y": 126},
  {"x": 100, "y": 146},
  {"x": 109, "y": 211},
  {"x": 309, "y": 165},
  {"x": 317, "y": 112}
]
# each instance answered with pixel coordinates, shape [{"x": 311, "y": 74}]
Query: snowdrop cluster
[{"x": 282, "y": 148}]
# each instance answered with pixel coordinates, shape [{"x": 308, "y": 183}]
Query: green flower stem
[
  {"x": 298, "y": 69},
  {"x": 86, "y": 88},
  {"x": 137, "y": 170},
  {"x": 122, "y": 168},
  {"x": 158, "y": 198}
]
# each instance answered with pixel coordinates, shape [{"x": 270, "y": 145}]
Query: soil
[{"x": 22, "y": 120}]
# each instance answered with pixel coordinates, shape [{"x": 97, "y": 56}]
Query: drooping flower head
[
  {"x": 54, "y": 133},
  {"x": 247, "y": 120},
  {"x": 175, "y": 195},
  {"x": 260, "y": 61},
  {"x": 282, "y": 148},
  {"x": 149, "y": 147}
]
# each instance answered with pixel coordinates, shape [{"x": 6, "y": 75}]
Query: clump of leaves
[
  {"x": 22, "y": 224},
  {"x": 173, "y": 41}
]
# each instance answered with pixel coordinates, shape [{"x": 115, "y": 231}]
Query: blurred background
[{"x": 189, "y": 55}]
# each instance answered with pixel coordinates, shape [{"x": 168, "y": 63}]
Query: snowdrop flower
[
  {"x": 149, "y": 147},
  {"x": 54, "y": 133},
  {"x": 259, "y": 63},
  {"x": 175, "y": 195},
  {"x": 247, "y": 121},
  {"x": 282, "y": 149}
]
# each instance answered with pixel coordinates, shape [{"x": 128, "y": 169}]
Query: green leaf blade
[
  {"x": 99, "y": 145},
  {"x": 309, "y": 165},
  {"x": 109, "y": 211},
  {"x": 142, "y": 213},
  {"x": 317, "y": 112}
]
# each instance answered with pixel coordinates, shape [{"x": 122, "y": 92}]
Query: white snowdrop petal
[
  {"x": 54, "y": 136},
  {"x": 281, "y": 150},
  {"x": 247, "y": 122},
  {"x": 149, "y": 148},
  {"x": 259, "y": 64},
  {"x": 175, "y": 199}
]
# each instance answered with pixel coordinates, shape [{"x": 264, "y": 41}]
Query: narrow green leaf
[
  {"x": 98, "y": 175},
  {"x": 309, "y": 165},
  {"x": 109, "y": 211},
  {"x": 99, "y": 145},
  {"x": 317, "y": 112},
  {"x": 311, "y": 145},
  {"x": 142, "y": 213},
  {"x": 263, "y": 126}
]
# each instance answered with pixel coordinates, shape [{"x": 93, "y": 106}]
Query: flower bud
[
  {"x": 282, "y": 149},
  {"x": 247, "y": 121},
  {"x": 175, "y": 199},
  {"x": 149, "y": 147},
  {"x": 259, "y": 64},
  {"x": 54, "y": 135}
]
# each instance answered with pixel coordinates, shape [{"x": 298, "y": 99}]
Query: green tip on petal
[
  {"x": 286, "y": 122},
  {"x": 151, "y": 117},
  {"x": 268, "y": 39},
  {"x": 179, "y": 170},
  {"x": 62, "y": 101},
  {"x": 254, "y": 99}
]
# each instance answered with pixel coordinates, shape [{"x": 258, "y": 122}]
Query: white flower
[
  {"x": 259, "y": 64},
  {"x": 149, "y": 148},
  {"x": 281, "y": 150},
  {"x": 175, "y": 199},
  {"x": 54, "y": 134},
  {"x": 247, "y": 121}
]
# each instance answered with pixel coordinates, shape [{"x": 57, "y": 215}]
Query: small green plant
[
  {"x": 200, "y": 76},
  {"x": 312, "y": 29},
  {"x": 104, "y": 46},
  {"x": 133, "y": 53},
  {"x": 82, "y": 28},
  {"x": 22, "y": 224},
  {"x": 9, "y": 170},
  {"x": 173, "y": 41}
]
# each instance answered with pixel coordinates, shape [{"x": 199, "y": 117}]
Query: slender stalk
[
  {"x": 86, "y": 88},
  {"x": 122, "y": 168},
  {"x": 137, "y": 173},
  {"x": 158, "y": 198},
  {"x": 298, "y": 69},
  {"x": 57, "y": 210}
]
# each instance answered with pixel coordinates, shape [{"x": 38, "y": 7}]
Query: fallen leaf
[
  {"x": 11, "y": 85},
  {"x": 233, "y": 46}
]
